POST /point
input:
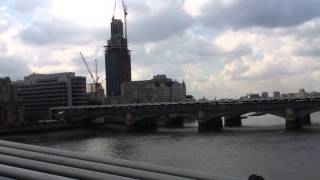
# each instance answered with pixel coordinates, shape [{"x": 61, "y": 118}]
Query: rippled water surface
[{"x": 262, "y": 147}]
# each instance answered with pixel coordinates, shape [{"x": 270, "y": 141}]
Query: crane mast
[
  {"x": 97, "y": 76},
  {"x": 125, "y": 11}
]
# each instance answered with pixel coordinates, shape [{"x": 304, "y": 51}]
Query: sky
[{"x": 220, "y": 48}]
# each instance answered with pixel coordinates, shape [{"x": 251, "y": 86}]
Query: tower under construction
[{"x": 117, "y": 59}]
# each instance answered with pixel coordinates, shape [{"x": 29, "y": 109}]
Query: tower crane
[
  {"x": 86, "y": 64},
  {"x": 96, "y": 84}
]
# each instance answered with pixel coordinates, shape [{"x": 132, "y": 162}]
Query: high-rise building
[
  {"x": 40, "y": 92},
  {"x": 117, "y": 60}
]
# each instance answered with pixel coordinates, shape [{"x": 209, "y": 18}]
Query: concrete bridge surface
[{"x": 209, "y": 114}]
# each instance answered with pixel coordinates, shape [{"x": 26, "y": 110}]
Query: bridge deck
[{"x": 21, "y": 161}]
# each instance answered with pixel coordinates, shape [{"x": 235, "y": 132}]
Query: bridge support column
[
  {"x": 129, "y": 120},
  {"x": 232, "y": 121},
  {"x": 292, "y": 122},
  {"x": 174, "y": 122},
  {"x": 205, "y": 124},
  {"x": 306, "y": 120}
]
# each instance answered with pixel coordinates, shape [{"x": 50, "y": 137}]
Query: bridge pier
[
  {"x": 292, "y": 122},
  {"x": 205, "y": 125},
  {"x": 306, "y": 120},
  {"x": 129, "y": 120},
  {"x": 232, "y": 121}
]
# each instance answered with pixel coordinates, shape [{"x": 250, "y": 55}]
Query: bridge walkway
[{"x": 22, "y": 161}]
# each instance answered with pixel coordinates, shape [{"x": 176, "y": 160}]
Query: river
[{"x": 261, "y": 146}]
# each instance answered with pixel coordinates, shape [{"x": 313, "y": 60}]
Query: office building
[
  {"x": 158, "y": 89},
  {"x": 39, "y": 92},
  {"x": 11, "y": 113}
]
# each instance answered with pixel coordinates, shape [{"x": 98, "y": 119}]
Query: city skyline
[{"x": 218, "y": 53}]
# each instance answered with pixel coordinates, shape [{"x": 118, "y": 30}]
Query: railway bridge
[{"x": 209, "y": 114}]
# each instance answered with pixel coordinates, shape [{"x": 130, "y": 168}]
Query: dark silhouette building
[
  {"x": 11, "y": 112},
  {"x": 117, "y": 59}
]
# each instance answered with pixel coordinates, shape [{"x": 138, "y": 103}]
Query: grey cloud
[
  {"x": 14, "y": 67},
  {"x": 161, "y": 25},
  {"x": 176, "y": 50},
  {"x": 311, "y": 51},
  {"x": 270, "y": 13},
  {"x": 26, "y": 6},
  {"x": 265, "y": 69},
  {"x": 51, "y": 30},
  {"x": 237, "y": 53},
  {"x": 6, "y": 20},
  {"x": 137, "y": 6},
  {"x": 306, "y": 37}
]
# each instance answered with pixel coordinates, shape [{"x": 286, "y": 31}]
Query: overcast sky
[{"x": 220, "y": 48}]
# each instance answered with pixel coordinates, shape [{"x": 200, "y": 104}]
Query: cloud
[
  {"x": 5, "y": 20},
  {"x": 46, "y": 29},
  {"x": 14, "y": 67},
  {"x": 171, "y": 55},
  {"x": 165, "y": 22},
  {"x": 27, "y": 6},
  {"x": 222, "y": 48},
  {"x": 251, "y": 13}
]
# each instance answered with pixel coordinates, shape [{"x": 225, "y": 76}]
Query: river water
[{"x": 261, "y": 146}]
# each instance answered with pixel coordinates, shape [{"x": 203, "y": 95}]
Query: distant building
[
  {"x": 284, "y": 95},
  {"x": 117, "y": 59},
  {"x": 254, "y": 96},
  {"x": 292, "y": 95},
  {"x": 264, "y": 95},
  {"x": 190, "y": 98},
  {"x": 158, "y": 89},
  {"x": 95, "y": 94},
  {"x": 39, "y": 92},
  {"x": 314, "y": 94},
  {"x": 276, "y": 94},
  {"x": 11, "y": 113},
  {"x": 302, "y": 93}
]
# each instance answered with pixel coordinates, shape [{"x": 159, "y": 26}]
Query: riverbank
[{"x": 41, "y": 128}]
